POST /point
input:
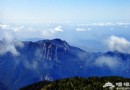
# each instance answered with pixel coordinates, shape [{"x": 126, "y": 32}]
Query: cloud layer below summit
[{"x": 109, "y": 36}]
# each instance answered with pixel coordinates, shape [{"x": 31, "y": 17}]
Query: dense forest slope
[{"x": 77, "y": 83}]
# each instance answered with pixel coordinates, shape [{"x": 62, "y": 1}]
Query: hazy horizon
[{"x": 87, "y": 24}]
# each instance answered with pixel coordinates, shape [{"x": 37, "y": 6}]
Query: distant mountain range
[{"x": 55, "y": 59}]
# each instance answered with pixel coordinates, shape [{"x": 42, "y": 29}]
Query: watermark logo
[
  {"x": 123, "y": 86},
  {"x": 117, "y": 86},
  {"x": 109, "y": 84}
]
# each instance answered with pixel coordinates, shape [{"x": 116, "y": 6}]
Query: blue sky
[
  {"x": 64, "y": 10},
  {"x": 88, "y": 24}
]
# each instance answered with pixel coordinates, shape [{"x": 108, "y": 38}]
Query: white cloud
[
  {"x": 83, "y": 29},
  {"x": 52, "y": 32},
  {"x": 25, "y": 32},
  {"x": 4, "y": 26},
  {"x": 49, "y": 33},
  {"x": 106, "y": 24},
  {"x": 118, "y": 43},
  {"x": 58, "y": 29},
  {"x": 98, "y": 24},
  {"x": 80, "y": 29},
  {"x": 102, "y": 24},
  {"x": 9, "y": 44},
  {"x": 122, "y": 24},
  {"x": 16, "y": 29},
  {"x": 110, "y": 62},
  {"x": 12, "y": 27}
]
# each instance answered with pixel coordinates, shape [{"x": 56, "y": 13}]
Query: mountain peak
[
  {"x": 57, "y": 39},
  {"x": 59, "y": 42},
  {"x": 56, "y": 42}
]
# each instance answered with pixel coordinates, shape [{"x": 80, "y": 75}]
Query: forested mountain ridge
[{"x": 77, "y": 83}]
